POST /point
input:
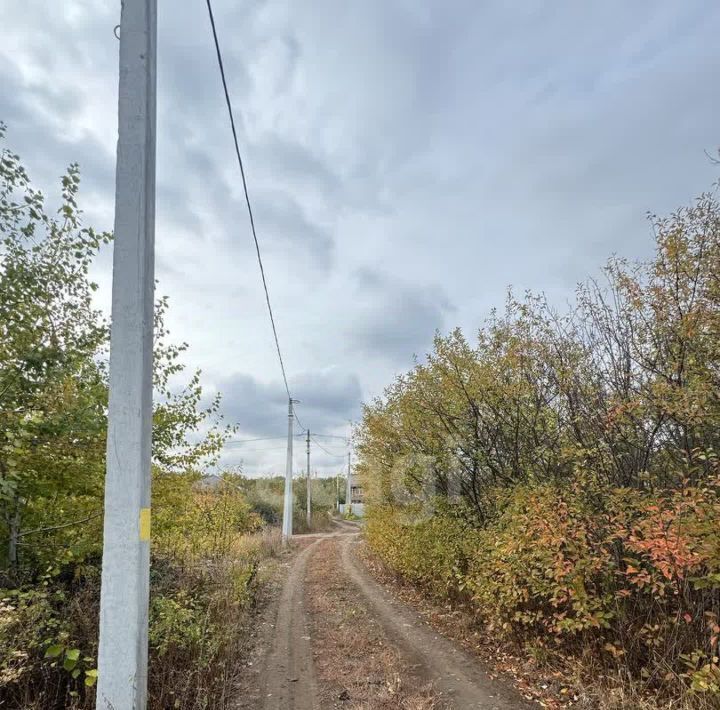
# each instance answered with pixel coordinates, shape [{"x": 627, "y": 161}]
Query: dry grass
[
  {"x": 357, "y": 667},
  {"x": 320, "y": 522},
  {"x": 264, "y": 544},
  {"x": 197, "y": 662}
]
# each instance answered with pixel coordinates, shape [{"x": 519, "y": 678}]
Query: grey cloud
[
  {"x": 27, "y": 112},
  {"x": 257, "y": 408},
  {"x": 196, "y": 143},
  {"x": 281, "y": 219},
  {"x": 296, "y": 164},
  {"x": 451, "y": 150},
  {"x": 397, "y": 320},
  {"x": 328, "y": 400},
  {"x": 307, "y": 171}
]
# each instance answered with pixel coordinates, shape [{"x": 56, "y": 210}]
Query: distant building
[
  {"x": 356, "y": 491},
  {"x": 357, "y": 504}
]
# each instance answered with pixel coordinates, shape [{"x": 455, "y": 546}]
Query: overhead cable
[
  {"x": 247, "y": 196},
  {"x": 329, "y": 453}
]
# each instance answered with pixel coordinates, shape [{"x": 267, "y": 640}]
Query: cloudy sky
[{"x": 407, "y": 159}]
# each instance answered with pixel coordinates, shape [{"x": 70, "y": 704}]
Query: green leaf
[
  {"x": 73, "y": 654},
  {"x": 53, "y": 651},
  {"x": 91, "y": 677}
]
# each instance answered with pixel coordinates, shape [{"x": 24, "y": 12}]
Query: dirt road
[{"x": 332, "y": 637}]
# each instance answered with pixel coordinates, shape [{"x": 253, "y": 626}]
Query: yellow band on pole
[{"x": 144, "y": 524}]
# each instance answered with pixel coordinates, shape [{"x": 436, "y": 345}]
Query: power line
[
  {"x": 329, "y": 453},
  {"x": 243, "y": 453},
  {"x": 247, "y": 196},
  {"x": 254, "y": 449},
  {"x": 330, "y": 445},
  {"x": 260, "y": 446},
  {"x": 297, "y": 419},
  {"x": 334, "y": 453},
  {"x": 257, "y": 244},
  {"x": 261, "y": 438},
  {"x": 332, "y": 436}
]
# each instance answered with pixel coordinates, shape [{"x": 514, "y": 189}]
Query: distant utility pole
[
  {"x": 288, "y": 503},
  {"x": 309, "y": 484},
  {"x": 348, "y": 489},
  {"x": 122, "y": 655}
]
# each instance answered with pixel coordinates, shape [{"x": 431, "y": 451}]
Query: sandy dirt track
[{"x": 281, "y": 672}]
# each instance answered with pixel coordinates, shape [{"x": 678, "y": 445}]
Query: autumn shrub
[
  {"x": 198, "y": 612},
  {"x": 559, "y": 473},
  {"x": 629, "y": 578},
  {"x": 538, "y": 568},
  {"x": 48, "y": 640},
  {"x": 196, "y": 633},
  {"x": 206, "y": 552},
  {"x": 431, "y": 551},
  {"x": 209, "y": 547},
  {"x": 635, "y": 579},
  {"x": 668, "y": 587}
]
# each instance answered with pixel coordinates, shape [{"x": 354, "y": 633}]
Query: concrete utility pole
[
  {"x": 122, "y": 655},
  {"x": 288, "y": 503},
  {"x": 348, "y": 490},
  {"x": 309, "y": 482}
]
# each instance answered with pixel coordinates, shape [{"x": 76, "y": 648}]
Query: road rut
[
  {"x": 283, "y": 674},
  {"x": 289, "y": 678},
  {"x": 458, "y": 676}
]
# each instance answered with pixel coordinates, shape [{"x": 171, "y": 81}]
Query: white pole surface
[
  {"x": 288, "y": 503},
  {"x": 122, "y": 656},
  {"x": 348, "y": 490},
  {"x": 309, "y": 483}
]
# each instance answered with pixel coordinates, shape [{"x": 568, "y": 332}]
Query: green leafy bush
[{"x": 53, "y": 397}]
